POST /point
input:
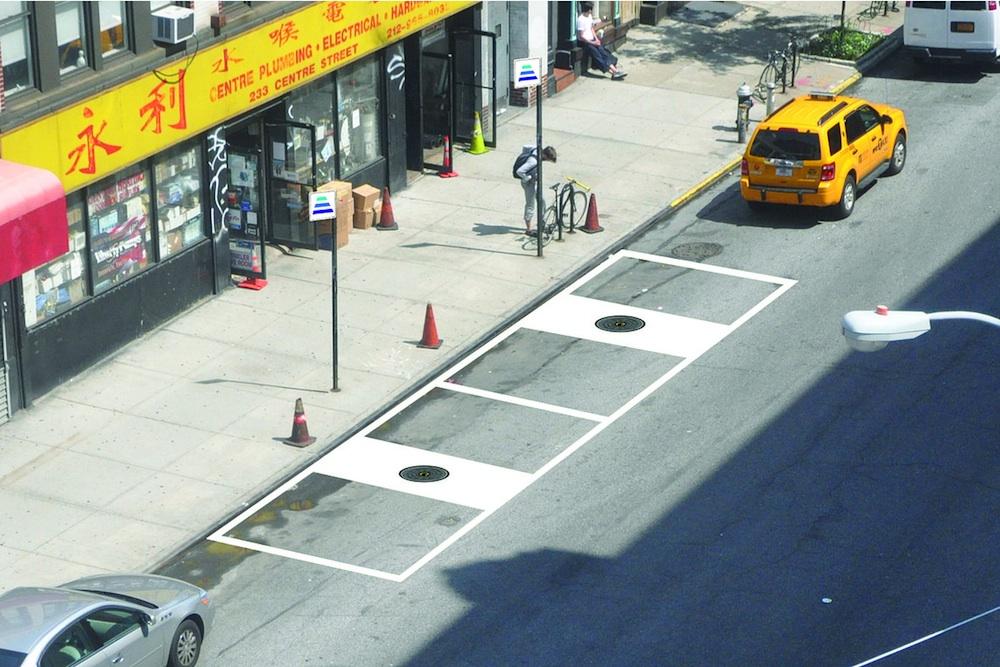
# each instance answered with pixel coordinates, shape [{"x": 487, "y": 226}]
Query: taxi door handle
[{"x": 117, "y": 659}]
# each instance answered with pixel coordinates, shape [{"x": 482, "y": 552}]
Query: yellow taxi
[{"x": 820, "y": 149}]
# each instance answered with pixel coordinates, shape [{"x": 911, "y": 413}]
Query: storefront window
[
  {"x": 120, "y": 238},
  {"x": 358, "y": 115},
  {"x": 69, "y": 36},
  {"x": 62, "y": 283},
  {"x": 313, "y": 105},
  {"x": 15, "y": 46},
  {"x": 178, "y": 200},
  {"x": 113, "y": 32}
]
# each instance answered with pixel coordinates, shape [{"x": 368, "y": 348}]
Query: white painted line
[
  {"x": 470, "y": 483},
  {"x": 315, "y": 560},
  {"x": 515, "y": 400},
  {"x": 709, "y": 268},
  {"x": 358, "y": 457},
  {"x": 926, "y": 637},
  {"x": 675, "y": 335}
]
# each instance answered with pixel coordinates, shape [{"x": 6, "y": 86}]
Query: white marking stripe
[
  {"x": 504, "y": 398},
  {"x": 708, "y": 268},
  {"x": 469, "y": 483},
  {"x": 926, "y": 637},
  {"x": 372, "y": 461},
  {"x": 315, "y": 560},
  {"x": 664, "y": 333}
]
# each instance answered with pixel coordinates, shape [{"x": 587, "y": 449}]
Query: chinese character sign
[{"x": 119, "y": 127}]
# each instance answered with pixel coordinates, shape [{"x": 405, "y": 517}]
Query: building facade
[{"x": 141, "y": 169}]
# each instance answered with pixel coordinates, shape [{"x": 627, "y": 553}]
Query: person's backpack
[{"x": 519, "y": 162}]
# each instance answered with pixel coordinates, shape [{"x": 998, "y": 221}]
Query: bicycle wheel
[
  {"x": 578, "y": 209},
  {"x": 769, "y": 75},
  {"x": 548, "y": 225}
]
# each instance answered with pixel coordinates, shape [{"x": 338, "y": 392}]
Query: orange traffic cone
[
  {"x": 430, "y": 339},
  {"x": 300, "y": 430},
  {"x": 387, "y": 220},
  {"x": 447, "y": 172},
  {"x": 592, "y": 226}
]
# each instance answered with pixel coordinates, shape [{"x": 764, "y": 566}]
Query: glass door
[
  {"x": 291, "y": 158},
  {"x": 435, "y": 106},
  {"x": 242, "y": 214},
  {"x": 475, "y": 53}
]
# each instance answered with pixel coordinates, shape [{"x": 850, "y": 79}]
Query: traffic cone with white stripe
[{"x": 300, "y": 429}]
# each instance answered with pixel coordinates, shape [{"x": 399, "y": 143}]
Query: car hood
[{"x": 160, "y": 591}]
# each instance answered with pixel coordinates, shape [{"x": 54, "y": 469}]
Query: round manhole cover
[
  {"x": 620, "y": 323},
  {"x": 423, "y": 474},
  {"x": 696, "y": 252}
]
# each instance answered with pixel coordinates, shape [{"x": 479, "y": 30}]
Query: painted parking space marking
[
  {"x": 678, "y": 336},
  {"x": 473, "y": 484},
  {"x": 516, "y": 400},
  {"x": 470, "y": 483}
]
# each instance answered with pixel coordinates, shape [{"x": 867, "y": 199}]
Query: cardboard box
[
  {"x": 343, "y": 230},
  {"x": 344, "y": 208},
  {"x": 364, "y": 219},
  {"x": 377, "y": 208},
  {"x": 364, "y": 197}
]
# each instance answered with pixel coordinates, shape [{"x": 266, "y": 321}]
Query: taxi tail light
[
  {"x": 828, "y": 172},
  {"x": 744, "y": 167}
]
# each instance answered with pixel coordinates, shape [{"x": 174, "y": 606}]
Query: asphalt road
[{"x": 780, "y": 501}]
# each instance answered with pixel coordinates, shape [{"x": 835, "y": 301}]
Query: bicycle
[
  {"x": 778, "y": 65},
  {"x": 569, "y": 204}
]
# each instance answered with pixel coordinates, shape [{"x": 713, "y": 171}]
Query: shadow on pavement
[{"x": 861, "y": 518}]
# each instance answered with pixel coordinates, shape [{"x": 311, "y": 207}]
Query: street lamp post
[{"x": 871, "y": 330}]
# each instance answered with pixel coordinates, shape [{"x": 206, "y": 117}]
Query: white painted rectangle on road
[{"x": 378, "y": 463}]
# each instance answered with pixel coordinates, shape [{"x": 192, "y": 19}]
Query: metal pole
[
  {"x": 333, "y": 302},
  {"x": 539, "y": 200}
]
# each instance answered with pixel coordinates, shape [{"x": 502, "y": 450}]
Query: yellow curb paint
[
  {"x": 846, "y": 83},
  {"x": 707, "y": 181}
]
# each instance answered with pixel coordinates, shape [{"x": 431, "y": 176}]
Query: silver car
[{"x": 117, "y": 620}]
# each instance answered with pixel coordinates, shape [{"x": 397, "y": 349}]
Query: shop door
[
  {"x": 475, "y": 56},
  {"x": 436, "y": 106},
  {"x": 244, "y": 201},
  {"x": 8, "y": 375},
  {"x": 291, "y": 156}
]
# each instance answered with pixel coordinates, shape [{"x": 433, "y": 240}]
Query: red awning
[{"x": 33, "y": 228}]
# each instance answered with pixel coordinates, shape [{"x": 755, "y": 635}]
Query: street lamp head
[{"x": 871, "y": 330}]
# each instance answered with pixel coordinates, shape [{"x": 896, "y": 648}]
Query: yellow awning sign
[{"x": 87, "y": 141}]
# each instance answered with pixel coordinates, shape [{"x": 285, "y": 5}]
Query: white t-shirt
[{"x": 585, "y": 27}]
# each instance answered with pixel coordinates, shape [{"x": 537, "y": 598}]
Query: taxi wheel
[
  {"x": 898, "y": 158},
  {"x": 847, "y": 197}
]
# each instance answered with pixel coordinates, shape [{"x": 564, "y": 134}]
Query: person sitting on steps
[{"x": 586, "y": 36}]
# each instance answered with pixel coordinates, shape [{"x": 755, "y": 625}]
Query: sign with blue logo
[
  {"x": 321, "y": 206},
  {"x": 527, "y": 72}
]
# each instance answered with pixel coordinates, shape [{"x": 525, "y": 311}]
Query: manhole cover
[
  {"x": 423, "y": 474},
  {"x": 622, "y": 323},
  {"x": 696, "y": 252}
]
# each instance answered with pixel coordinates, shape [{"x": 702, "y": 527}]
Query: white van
[{"x": 952, "y": 30}]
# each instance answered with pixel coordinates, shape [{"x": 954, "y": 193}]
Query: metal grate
[{"x": 4, "y": 380}]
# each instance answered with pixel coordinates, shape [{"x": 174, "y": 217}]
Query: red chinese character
[
  {"x": 334, "y": 11},
  {"x": 91, "y": 140},
  {"x": 174, "y": 98},
  {"x": 281, "y": 35},
  {"x": 222, "y": 64}
]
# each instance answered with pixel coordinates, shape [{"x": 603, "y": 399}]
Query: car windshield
[
  {"x": 786, "y": 145},
  {"x": 127, "y": 598},
  {"x": 11, "y": 658}
]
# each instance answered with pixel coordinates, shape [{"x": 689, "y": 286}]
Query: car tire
[
  {"x": 847, "y": 197},
  {"x": 898, "y": 158},
  {"x": 186, "y": 645}
]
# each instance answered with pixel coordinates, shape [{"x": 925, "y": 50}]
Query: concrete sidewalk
[{"x": 130, "y": 461}]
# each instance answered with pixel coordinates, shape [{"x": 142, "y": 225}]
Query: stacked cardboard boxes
[
  {"x": 365, "y": 199},
  {"x": 345, "y": 212}
]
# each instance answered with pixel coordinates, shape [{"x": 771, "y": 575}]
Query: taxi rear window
[{"x": 786, "y": 145}]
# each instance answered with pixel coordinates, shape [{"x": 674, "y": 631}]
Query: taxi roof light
[{"x": 821, "y": 95}]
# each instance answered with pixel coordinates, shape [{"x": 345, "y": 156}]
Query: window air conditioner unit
[{"x": 173, "y": 24}]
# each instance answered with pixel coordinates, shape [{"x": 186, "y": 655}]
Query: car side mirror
[
  {"x": 144, "y": 622},
  {"x": 886, "y": 119}
]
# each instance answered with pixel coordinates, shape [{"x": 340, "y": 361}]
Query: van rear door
[
  {"x": 971, "y": 25},
  {"x": 925, "y": 24}
]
